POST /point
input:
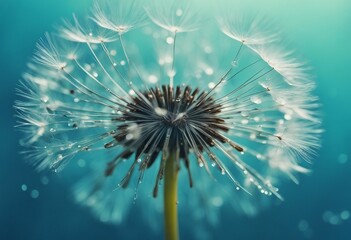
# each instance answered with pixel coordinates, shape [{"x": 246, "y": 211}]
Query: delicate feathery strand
[{"x": 125, "y": 93}]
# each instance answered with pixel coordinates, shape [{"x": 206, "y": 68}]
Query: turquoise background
[{"x": 319, "y": 29}]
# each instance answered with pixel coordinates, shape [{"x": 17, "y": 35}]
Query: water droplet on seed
[
  {"x": 234, "y": 63},
  {"x": 211, "y": 85},
  {"x": 170, "y": 40}
]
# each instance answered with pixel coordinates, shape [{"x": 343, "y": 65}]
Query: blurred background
[{"x": 39, "y": 205}]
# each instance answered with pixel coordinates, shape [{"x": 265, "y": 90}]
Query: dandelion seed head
[{"x": 239, "y": 109}]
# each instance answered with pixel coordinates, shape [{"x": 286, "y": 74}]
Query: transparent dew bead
[
  {"x": 179, "y": 12},
  {"x": 170, "y": 40},
  {"x": 234, "y": 63},
  {"x": 211, "y": 85},
  {"x": 345, "y": 215},
  {"x": 256, "y": 99},
  {"x": 24, "y": 187},
  {"x": 34, "y": 194}
]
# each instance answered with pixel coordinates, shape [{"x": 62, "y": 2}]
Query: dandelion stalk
[{"x": 170, "y": 197}]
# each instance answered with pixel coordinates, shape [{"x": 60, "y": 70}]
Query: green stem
[{"x": 170, "y": 197}]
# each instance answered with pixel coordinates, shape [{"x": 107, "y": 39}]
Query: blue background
[{"x": 319, "y": 29}]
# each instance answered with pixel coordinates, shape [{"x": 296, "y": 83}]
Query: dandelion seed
[{"x": 242, "y": 111}]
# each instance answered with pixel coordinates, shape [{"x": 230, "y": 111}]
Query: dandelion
[{"x": 144, "y": 93}]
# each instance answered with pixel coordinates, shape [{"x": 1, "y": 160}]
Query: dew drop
[
  {"x": 161, "y": 111},
  {"x": 59, "y": 157},
  {"x": 123, "y": 62},
  {"x": 87, "y": 67},
  {"x": 256, "y": 100},
  {"x": 153, "y": 78},
  {"x": 24, "y": 187},
  {"x": 201, "y": 164},
  {"x": 345, "y": 215},
  {"x": 81, "y": 163},
  {"x": 217, "y": 201},
  {"x": 170, "y": 40},
  {"x": 171, "y": 73},
  {"x": 287, "y": 117},
  {"x": 179, "y": 12},
  {"x": 211, "y": 85},
  {"x": 113, "y": 52},
  {"x": 208, "y": 49},
  {"x": 34, "y": 194},
  {"x": 213, "y": 164},
  {"x": 244, "y": 121},
  {"x": 52, "y": 130},
  {"x": 253, "y": 136},
  {"x": 45, "y": 99},
  {"x": 234, "y": 63},
  {"x": 334, "y": 220},
  {"x": 343, "y": 158},
  {"x": 244, "y": 114},
  {"x": 209, "y": 71},
  {"x": 237, "y": 188}
]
